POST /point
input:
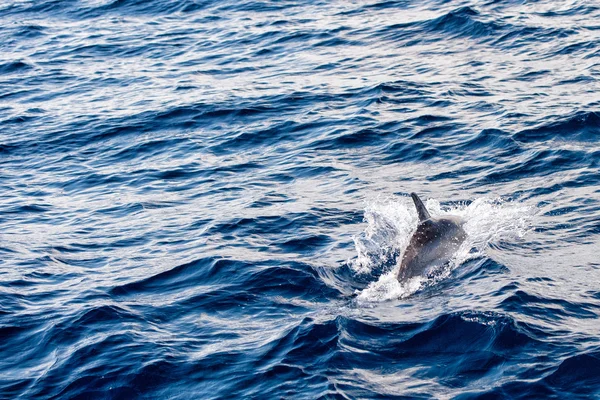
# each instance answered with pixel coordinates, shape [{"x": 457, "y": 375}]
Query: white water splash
[
  {"x": 390, "y": 225},
  {"x": 389, "y": 288}
]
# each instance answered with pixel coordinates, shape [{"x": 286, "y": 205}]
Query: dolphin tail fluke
[{"x": 421, "y": 210}]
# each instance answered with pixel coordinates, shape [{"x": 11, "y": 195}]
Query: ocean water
[{"x": 209, "y": 199}]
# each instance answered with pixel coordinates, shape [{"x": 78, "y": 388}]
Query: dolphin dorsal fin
[{"x": 421, "y": 210}]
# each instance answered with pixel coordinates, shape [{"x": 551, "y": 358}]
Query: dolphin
[{"x": 433, "y": 244}]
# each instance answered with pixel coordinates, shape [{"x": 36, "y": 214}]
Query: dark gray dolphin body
[{"x": 433, "y": 244}]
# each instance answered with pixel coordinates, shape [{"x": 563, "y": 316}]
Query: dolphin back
[
  {"x": 433, "y": 243},
  {"x": 421, "y": 209}
]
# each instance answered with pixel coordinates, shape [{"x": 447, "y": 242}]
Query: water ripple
[{"x": 210, "y": 199}]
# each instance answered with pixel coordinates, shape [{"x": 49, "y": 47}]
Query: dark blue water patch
[
  {"x": 468, "y": 175},
  {"x": 301, "y": 37},
  {"x": 311, "y": 171},
  {"x": 21, "y": 119},
  {"x": 287, "y": 233},
  {"x": 84, "y": 182},
  {"x": 462, "y": 22},
  {"x": 539, "y": 163},
  {"x": 16, "y": 94},
  {"x": 582, "y": 126},
  {"x": 579, "y": 79},
  {"x": 117, "y": 7},
  {"x": 302, "y": 282},
  {"x": 31, "y": 31},
  {"x": 594, "y": 294},
  {"x": 336, "y": 42},
  {"x": 587, "y": 47},
  {"x": 397, "y": 90},
  {"x": 407, "y": 152},
  {"x": 278, "y": 133},
  {"x": 195, "y": 169},
  {"x": 41, "y": 6},
  {"x": 263, "y": 225},
  {"x": 180, "y": 276},
  {"x": 269, "y": 199},
  {"x": 508, "y": 288},
  {"x": 299, "y": 278},
  {"x": 341, "y": 139},
  {"x": 578, "y": 374},
  {"x": 259, "y": 6},
  {"x": 143, "y": 6},
  {"x": 532, "y": 76},
  {"x": 492, "y": 140},
  {"x": 14, "y": 67},
  {"x": 582, "y": 179},
  {"x": 427, "y": 119},
  {"x": 88, "y": 133},
  {"x": 432, "y": 134},
  {"x": 301, "y": 244},
  {"x": 576, "y": 9},
  {"x": 521, "y": 37},
  {"x": 92, "y": 380},
  {"x": 469, "y": 345},
  {"x": 147, "y": 149},
  {"x": 546, "y": 308},
  {"x": 85, "y": 51},
  {"x": 471, "y": 89},
  {"x": 192, "y": 174},
  {"x": 276, "y": 366},
  {"x": 91, "y": 130},
  {"x": 279, "y": 380},
  {"x": 189, "y": 115},
  {"x": 316, "y": 338},
  {"x": 387, "y": 5},
  {"x": 560, "y": 211},
  {"x": 477, "y": 269},
  {"x": 459, "y": 23}
]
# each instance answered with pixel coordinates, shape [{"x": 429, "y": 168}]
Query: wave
[
  {"x": 472, "y": 346},
  {"x": 545, "y": 308},
  {"x": 14, "y": 67},
  {"x": 582, "y": 126},
  {"x": 463, "y": 22}
]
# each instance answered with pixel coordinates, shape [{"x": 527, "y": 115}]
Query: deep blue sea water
[{"x": 209, "y": 199}]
